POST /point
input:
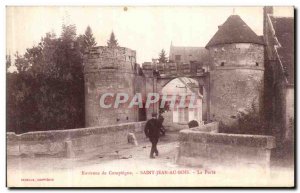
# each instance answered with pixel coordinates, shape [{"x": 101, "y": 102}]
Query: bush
[{"x": 249, "y": 121}]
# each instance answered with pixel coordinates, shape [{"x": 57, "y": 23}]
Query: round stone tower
[
  {"x": 108, "y": 70},
  {"x": 236, "y": 70}
]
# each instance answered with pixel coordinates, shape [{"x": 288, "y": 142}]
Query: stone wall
[
  {"x": 238, "y": 55},
  {"x": 279, "y": 103},
  {"x": 109, "y": 70},
  {"x": 219, "y": 149},
  {"x": 103, "y": 57},
  {"x": 236, "y": 80},
  {"x": 59, "y": 142},
  {"x": 233, "y": 90},
  {"x": 290, "y": 116},
  {"x": 278, "y": 95}
]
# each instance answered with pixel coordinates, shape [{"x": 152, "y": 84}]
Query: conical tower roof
[{"x": 234, "y": 30}]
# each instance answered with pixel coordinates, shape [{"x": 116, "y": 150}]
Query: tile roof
[
  {"x": 198, "y": 54},
  {"x": 234, "y": 30}
]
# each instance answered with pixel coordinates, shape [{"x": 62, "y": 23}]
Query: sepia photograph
[{"x": 150, "y": 96}]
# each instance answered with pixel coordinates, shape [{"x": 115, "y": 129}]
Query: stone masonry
[
  {"x": 232, "y": 79},
  {"x": 108, "y": 70},
  {"x": 237, "y": 72},
  {"x": 208, "y": 149}
]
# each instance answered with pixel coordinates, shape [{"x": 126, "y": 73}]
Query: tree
[
  {"x": 86, "y": 40},
  {"x": 21, "y": 63},
  {"x": 112, "y": 42},
  {"x": 89, "y": 39},
  {"x": 162, "y": 57},
  {"x": 68, "y": 32},
  {"x": 47, "y": 92}
]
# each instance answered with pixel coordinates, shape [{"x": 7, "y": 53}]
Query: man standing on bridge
[{"x": 152, "y": 130}]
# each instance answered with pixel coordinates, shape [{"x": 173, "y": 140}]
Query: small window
[
  {"x": 177, "y": 57},
  {"x": 222, "y": 63},
  {"x": 257, "y": 64}
]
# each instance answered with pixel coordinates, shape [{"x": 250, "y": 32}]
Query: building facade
[
  {"x": 236, "y": 71},
  {"x": 109, "y": 70},
  {"x": 280, "y": 64}
]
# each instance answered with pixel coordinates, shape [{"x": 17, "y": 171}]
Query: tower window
[
  {"x": 222, "y": 63},
  {"x": 257, "y": 64}
]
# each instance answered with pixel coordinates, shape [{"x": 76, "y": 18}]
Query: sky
[{"x": 144, "y": 29}]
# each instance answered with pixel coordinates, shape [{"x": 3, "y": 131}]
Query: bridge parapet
[
  {"x": 210, "y": 149},
  {"x": 78, "y": 141},
  {"x": 172, "y": 69}
]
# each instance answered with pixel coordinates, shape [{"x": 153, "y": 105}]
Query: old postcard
[{"x": 126, "y": 96}]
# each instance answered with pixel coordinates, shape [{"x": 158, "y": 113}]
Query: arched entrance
[
  {"x": 156, "y": 80},
  {"x": 184, "y": 102}
]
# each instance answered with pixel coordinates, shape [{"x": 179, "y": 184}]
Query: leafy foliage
[
  {"x": 47, "y": 91},
  {"x": 249, "y": 122}
]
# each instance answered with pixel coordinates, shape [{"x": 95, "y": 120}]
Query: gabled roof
[
  {"x": 284, "y": 32},
  {"x": 198, "y": 54},
  {"x": 234, "y": 30}
]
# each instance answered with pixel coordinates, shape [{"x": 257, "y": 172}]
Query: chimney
[{"x": 268, "y": 10}]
